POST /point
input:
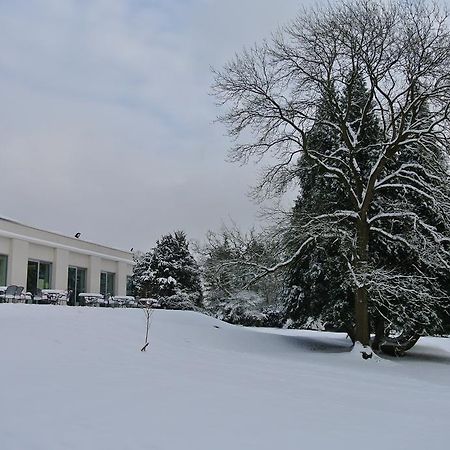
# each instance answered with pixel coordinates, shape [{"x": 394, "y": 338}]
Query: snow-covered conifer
[{"x": 170, "y": 273}]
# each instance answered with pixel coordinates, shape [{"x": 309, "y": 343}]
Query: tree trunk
[
  {"x": 362, "y": 316},
  {"x": 361, "y": 294},
  {"x": 379, "y": 333}
]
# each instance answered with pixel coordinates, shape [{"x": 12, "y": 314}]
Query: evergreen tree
[
  {"x": 170, "y": 273},
  {"x": 320, "y": 283},
  {"x": 420, "y": 304},
  {"x": 139, "y": 277}
]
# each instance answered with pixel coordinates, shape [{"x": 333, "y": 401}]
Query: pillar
[
  {"x": 60, "y": 269},
  {"x": 93, "y": 284},
  {"x": 18, "y": 263}
]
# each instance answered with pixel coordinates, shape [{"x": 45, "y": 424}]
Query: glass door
[
  {"x": 33, "y": 268},
  {"x": 76, "y": 284},
  {"x": 39, "y": 276},
  {"x": 107, "y": 282},
  {"x": 3, "y": 269}
]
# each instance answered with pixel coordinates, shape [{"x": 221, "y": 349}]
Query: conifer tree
[
  {"x": 170, "y": 273},
  {"x": 139, "y": 277},
  {"x": 319, "y": 284}
]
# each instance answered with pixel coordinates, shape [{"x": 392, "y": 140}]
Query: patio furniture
[
  {"x": 18, "y": 295},
  {"x": 131, "y": 301},
  {"x": 8, "y": 294},
  {"x": 124, "y": 301},
  {"x": 110, "y": 301},
  {"x": 91, "y": 299},
  {"x": 38, "y": 297},
  {"x": 55, "y": 296},
  {"x": 2, "y": 293},
  {"x": 148, "y": 303}
]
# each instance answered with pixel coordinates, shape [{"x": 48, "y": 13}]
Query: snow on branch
[{"x": 267, "y": 270}]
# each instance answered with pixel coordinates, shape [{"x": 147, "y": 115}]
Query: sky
[{"x": 106, "y": 118}]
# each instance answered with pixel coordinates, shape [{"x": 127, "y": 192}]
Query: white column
[
  {"x": 18, "y": 263},
  {"x": 121, "y": 278},
  {"x": 94, "y": 274},
  {"x": 60, "y": 269}
]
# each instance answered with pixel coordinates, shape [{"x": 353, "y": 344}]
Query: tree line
[{"x": 350, "y": 104}]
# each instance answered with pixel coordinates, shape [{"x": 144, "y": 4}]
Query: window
[
  {"x": 38, "y": 276},
  {"x": 107, "y": 283},
  {"x": 3, "y": 270}
]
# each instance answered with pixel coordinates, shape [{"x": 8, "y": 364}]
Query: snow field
[{"x": 74, "y": 378}]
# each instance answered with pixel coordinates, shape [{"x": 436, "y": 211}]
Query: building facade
[{"x": 39, "y": 259}]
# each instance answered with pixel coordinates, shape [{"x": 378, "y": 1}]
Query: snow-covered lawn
[{"x": 74, "y": 378}]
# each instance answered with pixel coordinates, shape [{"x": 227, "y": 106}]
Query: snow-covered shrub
[
  {"x": 247, "y": 308},
  {"x": 180, "y": 300},
  {"x": 274, "y": 316}
]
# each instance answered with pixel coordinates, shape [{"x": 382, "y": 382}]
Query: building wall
[
  {"x": 22, "y": 243},
  {"x": 17, "y": 262}
]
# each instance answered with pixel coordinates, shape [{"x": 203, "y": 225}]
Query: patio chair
[
  {"x": 90, "y": 299},
  {"x": 2, "y": 293},
  {"x": 37, "y": 297},
  {"x": 109, "y": 301},
  {"x": 18, "y": 294},
  {"x": 52, "y": 297},
  {"x": 8, "y": 295},
  {"x": 63, "y": 297}
]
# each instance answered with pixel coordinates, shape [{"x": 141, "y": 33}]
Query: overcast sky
[{"x": 106, "y": 123}]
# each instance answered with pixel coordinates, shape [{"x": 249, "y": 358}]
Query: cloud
[{"x": 106, "y": 122}]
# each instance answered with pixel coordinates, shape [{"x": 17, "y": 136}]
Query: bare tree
[
  {"x": 148, "y": 311},
  {"x": 231, "y": 260},
  {"x": 401, "y": 50}
]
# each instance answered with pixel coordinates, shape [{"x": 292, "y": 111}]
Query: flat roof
[{"x": 71, "y": 238}]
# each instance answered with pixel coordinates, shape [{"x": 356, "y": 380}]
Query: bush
[
  {"x": 246, "y": 308},
  {"x": 181, "y": 301}
]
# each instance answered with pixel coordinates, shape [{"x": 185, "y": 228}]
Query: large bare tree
[{"x": 401, "y": 51}]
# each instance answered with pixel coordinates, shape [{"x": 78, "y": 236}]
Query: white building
[{"x": 38, "y": 259}]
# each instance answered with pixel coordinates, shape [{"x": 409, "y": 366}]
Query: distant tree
[
  {"x": 229, "y": 257},
  {"x": 169, "y": 273},
  {"x": 140, "y": 276}
]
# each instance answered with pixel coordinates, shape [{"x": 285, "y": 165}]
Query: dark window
[
  {"x": 39, "y": 276},
  {"x": 3, "y": 270},
  {"x": 107, "y": 283}
]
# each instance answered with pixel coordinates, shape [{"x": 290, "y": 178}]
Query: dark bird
[
  {"x": 78, "y": 235},
  {"x": 132, "y": 248}
]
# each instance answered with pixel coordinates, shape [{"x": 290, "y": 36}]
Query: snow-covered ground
[{"x": 74, "y": 378}]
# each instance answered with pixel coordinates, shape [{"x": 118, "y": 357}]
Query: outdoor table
[
  {"x": 91, "y": 299},
  {"x": 56, "y": 296}
]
